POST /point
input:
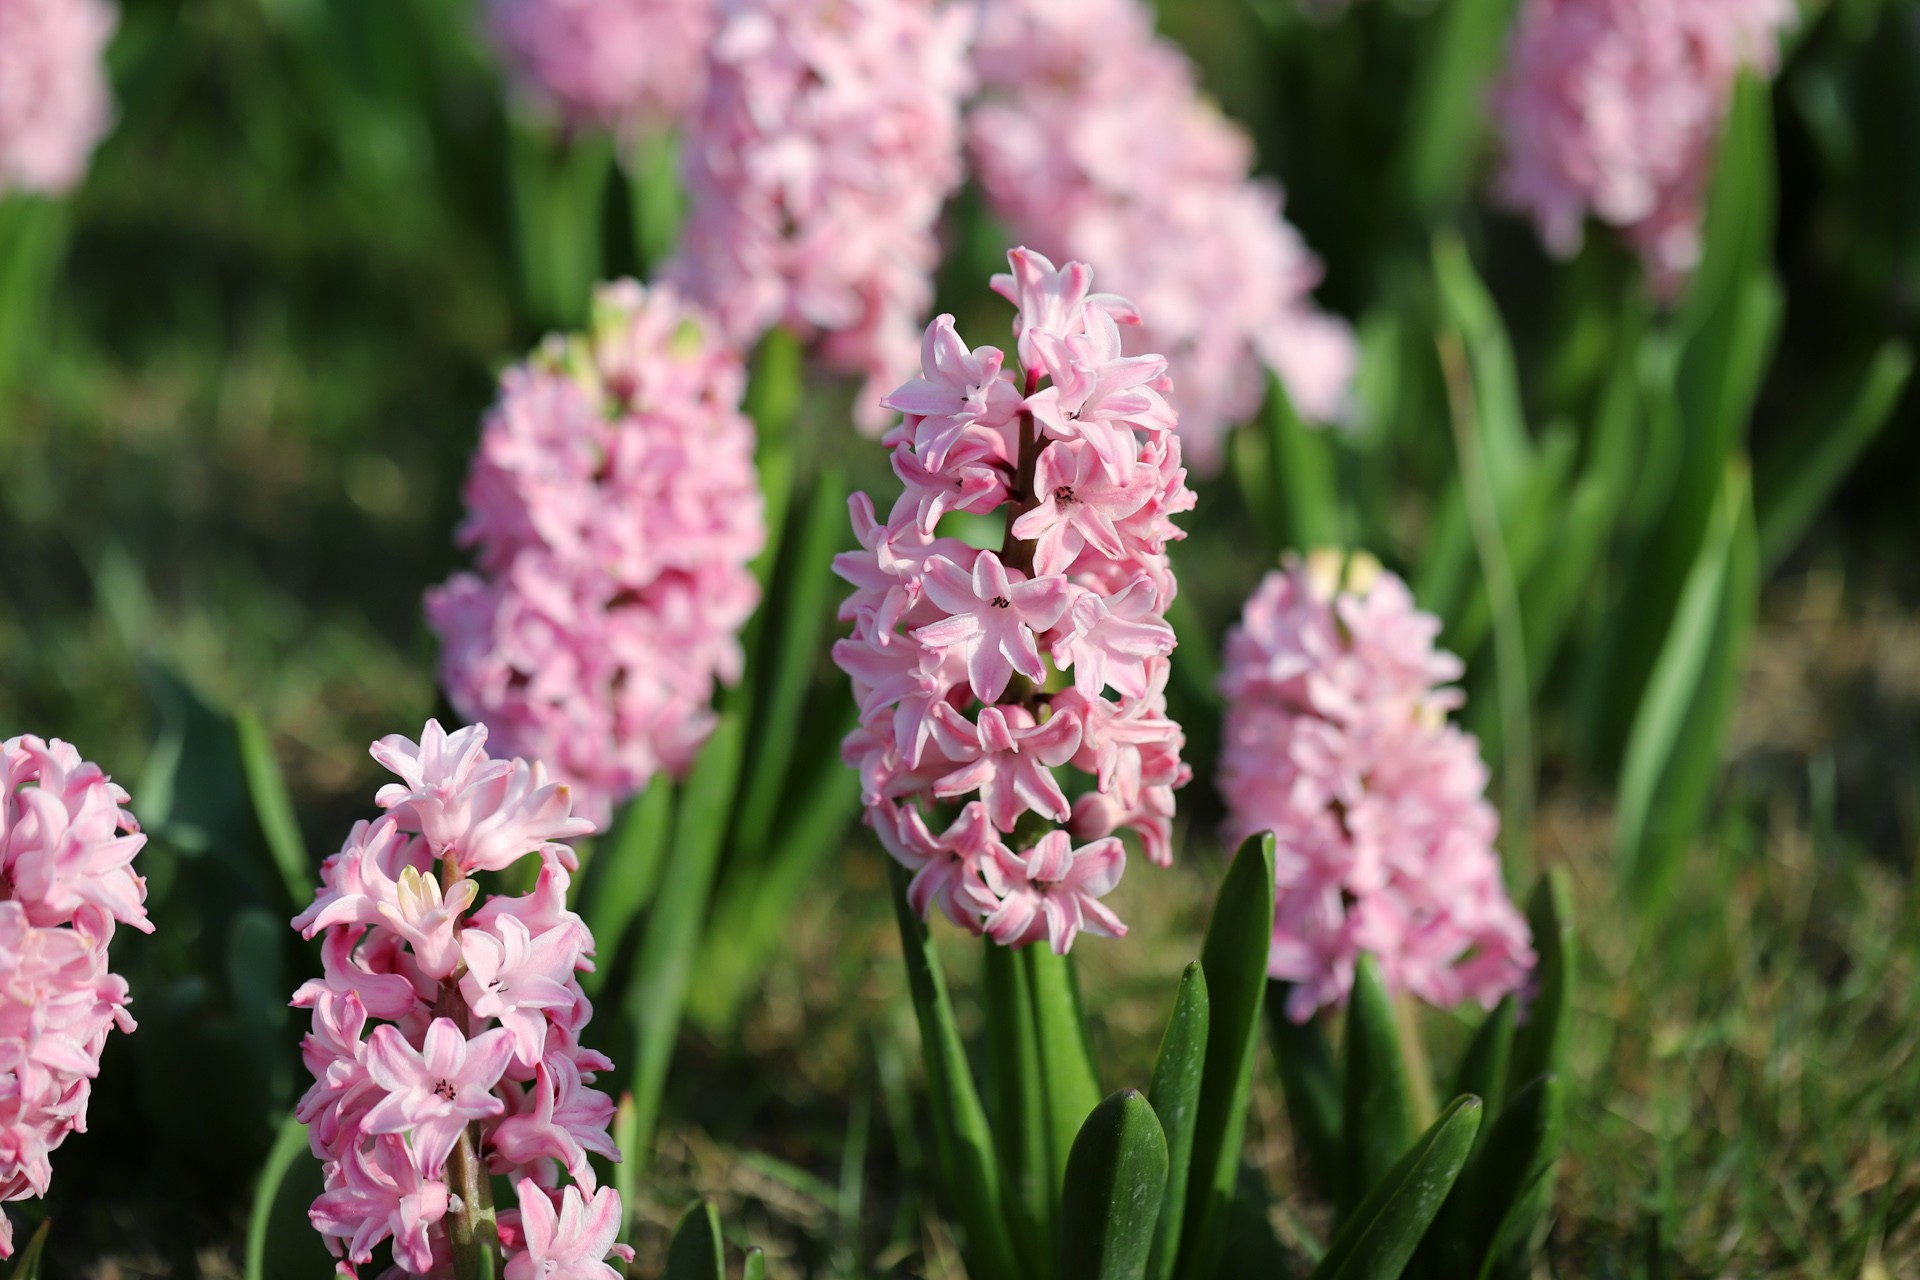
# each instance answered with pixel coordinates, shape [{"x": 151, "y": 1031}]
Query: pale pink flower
[
  {"x": 54, "y": 101},
  {"x": 570, "y": 1242},
  {"x": 1091, "y": 138},
  {"x": 66, "y": 879},
  {"x": 439, "y": 1016},
  {"x": 1613, "y": 108},
  {"x": 828, "y": 141},
  {"x": 614, "y": 510},
  {"x": 1336, "y": 741},
  {"x": 609, "y": 64},
  {"x": 1087, "y": 470}
]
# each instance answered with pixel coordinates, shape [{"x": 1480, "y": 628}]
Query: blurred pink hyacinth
[
  {"x": 610, "y": 64},
  {"x": 1337, "y": 741},
  {"x": 54, "y": 101},
  {"x": 817, "y": 166},
  {"x": 1613, "y": 107},
  {"x": 979, "y": 672},
  {"x": 614, "y": 510},
  {"x": 1092, "y": 140},
  {"x": 446, "y": 1031},
  {"x": 67, "y": 844}
]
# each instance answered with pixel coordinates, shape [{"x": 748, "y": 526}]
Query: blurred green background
[{"x": 230, "y": 456}]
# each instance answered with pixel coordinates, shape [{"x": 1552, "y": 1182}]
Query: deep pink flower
[
  {"x": 438, "y": 1015},
  {"x": 571, "y": 1242},
  {"x": 1337, "y": 742},
  {"x": 1613, "y": 107},
  {"x": 1093, "y": 141},
  {"x": 1087, "y": 471},
  {"x": 67, "y": 845},
  {"x": 54, "y": 100},
  {"x": 614, "y": 511},
  {"x": 828, "y": 141}
]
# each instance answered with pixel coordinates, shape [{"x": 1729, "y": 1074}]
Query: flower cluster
[
  {"x": 817, "y": 166},
  {"x": 609, "y": 64},
  {"x": 1612, "y": 107},
  {"x": 1337, "y": 742},
  {"x": 54, "y": 103},
  {"x": 446, "y": 1032},
  {"x": 67, "y": 844},
  {"x": 981, "y": 672},
  {"x": 1104, "y": 150},
  {"x": 615, "y": 509}
]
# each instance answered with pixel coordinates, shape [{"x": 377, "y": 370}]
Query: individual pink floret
[
  {"x": 1092, "y": 140},
  {"x": 67, "y": 844},
  {"x": 610, "y": 64},
  {"x": 981, "y": 673},
  {"x": 1337, "y": 742},
  {"x": 446, "y": 1028},
  {"x": 1612, "y": 108},
  {"x": 54, "y": 101},
  {"x": 614, "y": 510},
  {"x": 828, "y": 141}
]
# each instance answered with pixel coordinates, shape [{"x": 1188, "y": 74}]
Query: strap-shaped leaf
[
  {"x": 1116, "y": 1180},
  {"x": 273, "y": 806},
  {"x": 1302, "y": 479},
  {"x": 294, "y": 1248},
  {"x": 1521, "y": 1148},
  {"x": 1446, "y": 110},
  {"x": 1540, "y": 1044},
  {"x": 1175, "y": 1097},
  {"x": 1312, "y": 1085},
  {"x": 659, "y": 988},
  {"x": 1235, "y": 960},
  {"x": 1016, "y": 1092},
  {"x": 1380, "y": 1236},
  {"x": 1377, "y": 1101},
  {"x": 27, "y": 1266},
  {"x": 696, "y": 1252},
  {"x": 1066, "y": 1060},
  {"x": 1483, "y": 1067},
  {"x": 622, "y": 874},
  {"x": 756, "y": 1268},
  {"x": 959, "y": 1123}
]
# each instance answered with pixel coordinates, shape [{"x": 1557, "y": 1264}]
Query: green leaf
[
  {"x": 778, "y": 383},
  {"x": 1446, "y": 109},
  {"x": 1303, "y": 481},
  {"x": 1541, "y": 1044},
  {"x": 1673, "y": 751},
  {"x": 756, "y": 1268},
  {"x": 1066, "y": 1060},
  {"x": 1116, "y": 1179},
  {"x": 959, "y": 1124},
  {"x": 273, "y": 806},
  {"x": 1521, "y": 1148},
  {"x": 1468, "y": 311},
  {"x": 1376, "y": 1099},
  {"x": 623, "y": 873},
  {"x": 1017, "y": 1093},
  {"x": 1737, "y": 230},
  {"x": 559, "y": 188},
  {"x": 787, "y": 653},
  {"x": 1380, "y": 1236},
  {"x": 1175, "y": 1097},
  {"x": 280, "y": 1202},
  {"x": 1234, "y": 959},
  {"x": 1794, "y": 482},
  {"x": 27, "y": 1265},
  {"x": 1483, "y": 1068},
  {"x": 696, "y": 1252},
  {"x": 665, "y": 964},
  {"x": 749, "y": 920},
  {"x": 1312, "y": 1086}
]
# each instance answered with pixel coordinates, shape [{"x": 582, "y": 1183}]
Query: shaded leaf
[
  {"x": 696, "y": 1252},
  {"x": 1377, "y": 1101},
  {"x": 1175, "y": 1097},
  {"x": 1116, "y": 1180},
  {"x": 1380, "y": 1236}
]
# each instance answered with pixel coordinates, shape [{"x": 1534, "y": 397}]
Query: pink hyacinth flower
[
  {"x": 54, "y": 100},
  {"x": 570, "y": 1243}
]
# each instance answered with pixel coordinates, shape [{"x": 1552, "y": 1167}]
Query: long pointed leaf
[
  {"x": 273, "y": 806},
  {"x": 1175, "y": 1097},
  {"x": 1378, "y": 1104},
  {"x": 1380, "y": 1236},
  {"x": 1066, "y": 1061},
  {"x": 1312, "y": 1087},
  {"x": 1017, "y": 1092},
  {"x": 623, "y": 874},
  {"x": 1541, "y": 1043},
  {"x": 959, "y": 1123},
  {"x": 1116, "y": 1180},
  {"x": 1235, "y": 961},
  {"x": 291, "y": 1251},
  {"x": 665, "y": 966},
  {"x": 696, "y": 1252},
  {"x": 1483, "y": 1067}
]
